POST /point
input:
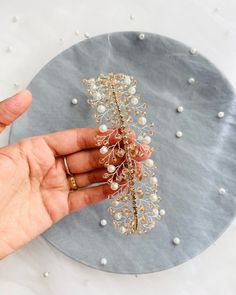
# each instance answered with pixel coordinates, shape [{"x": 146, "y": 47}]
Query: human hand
[{"x": 34, "y": 188}]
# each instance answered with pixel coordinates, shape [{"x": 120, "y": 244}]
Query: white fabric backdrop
[{"x": 40, "y": 31}]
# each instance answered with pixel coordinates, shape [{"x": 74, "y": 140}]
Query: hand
[{"x": 34, "y": 188}]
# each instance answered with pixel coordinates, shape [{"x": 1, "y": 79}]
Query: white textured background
[{"x": 45, "y": 28}]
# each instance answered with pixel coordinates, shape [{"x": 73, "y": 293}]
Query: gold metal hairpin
[{"x": 135, "y": 203}]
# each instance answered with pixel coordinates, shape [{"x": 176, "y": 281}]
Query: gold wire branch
[{"x": 134, "y": 203}]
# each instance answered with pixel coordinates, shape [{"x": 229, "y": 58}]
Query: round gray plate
[{"x": 192, "y": 169}]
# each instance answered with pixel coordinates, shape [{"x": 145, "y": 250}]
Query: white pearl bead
[
  {"x": 142, "y": 120},
  {"x": 101, "y": 108},
  {"x": 97, "y": 95},
  {"x": 222, "y": 191},
  {"x": 140, "y": 138},
  {"x": 180, "y": 109},
  {"x": 179, "y": 134},
  {"x": 220, "y": 115},
  {"x": 74, "y": 101},
  {"x": 118, "y": 216},
  {"x": 132, "y": 90},
  {"x": 103, "y": 150},
  {"x": 162, "y": 212},
  {"x": 103, "y": 222},
  {"x": 191, "y": 80},
  {"x": 149, "y": 162},
  {"x": 46, "y": 274},
  {"x": 141, "y": 36},
  {"x": 77, "y": 33},
  {"x": 114, "y": 186},
  {"x": 147, "y": 139},
  {"x": 103, "y": 261},
  {"x": 127, "y": 80},
  {"x": 9, "y": 49},
  {"x": 103, "y": 128},
  {"x": 153, "y": 180},
  {"x": 111, "y": 168},
  {"x": 86, "y": 35},
  {"x": 122, "y": 229},
  {"x": 176, "y": 241},
  {"x": 15, "y": 19},
  {"x": 132, "y": 17},
  {"x": 153, "y": 197},
  {"x": 134, "y": 100},
  {"x": 193, "y": 51}
]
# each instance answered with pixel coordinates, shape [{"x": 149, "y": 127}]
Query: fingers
[
  {"x": 88, "y": 196},
  {"x": 88, "y": 160},
  {"x": 95, "y": 176},
  {"x": 74, "y": 140},
  {"x": 12, "y": 107}
]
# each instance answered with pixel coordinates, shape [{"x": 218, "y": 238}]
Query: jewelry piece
[
  {"x": 72, "y": 183},
  {"x": 119, "y": 109},
  {"x": 66, "y": 167}
]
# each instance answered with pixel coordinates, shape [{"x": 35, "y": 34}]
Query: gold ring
[
  {"x": 66, "y": 167},
  {"x": 72, "y": 183}
]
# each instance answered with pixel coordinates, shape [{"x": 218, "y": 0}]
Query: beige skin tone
[{"x": 34, "y": 190}]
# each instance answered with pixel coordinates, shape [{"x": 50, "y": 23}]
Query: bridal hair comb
[{"x": 135, "y": 202}]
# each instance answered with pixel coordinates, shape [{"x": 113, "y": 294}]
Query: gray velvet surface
[{"x": 191, "y": 169}]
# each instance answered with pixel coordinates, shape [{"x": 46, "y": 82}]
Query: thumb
[{"x": 12, "y": 107}]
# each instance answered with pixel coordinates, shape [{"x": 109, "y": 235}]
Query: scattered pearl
[
  {"x": 142, "y": 120},
  {"x": 114, "y": 186},
  {"x": 46, "y": 274},
  {"x": 103, "y": 261},
  {"x": 220, "y": 115},
  {"x": 16, "y": 85},
  {"x": 153, "y": 180},
  {"x": 141, "y": 36},
  {"x": 179, "y": 134},
  {"x": 134, "y": 100},
  {"x": 9, "y": 49},
  {"x": 149, "y": 162},
  {"x": 222, "y": 191},
  {"x": 176, "y": 241},
  {"x": 15, "y": 19},
  {"x": 61, "y": 40},
  {"x": 122, "y": 229},
  {"x": 127, "y": 80},
  {"x": 118, "y": 216},
  {"x": 147, "y": 139},
  {"x": 103, "y": 222},
  {"x": 162, "y": 212},
  {"x": 74, "y": 101},
  {"x": 103, "y": 128},
  {"x": 193, "y": 51},
  {"x": 111, "y": 168},
  {"x": 86, "y": 35},
  {"x": 153, "y": 198},
  {"x": 132, "y": 17},
  {"x": 132, "y": 90},
  {"x": 191, "y": 80},
  {"x": 77, "y": 33},
  {"x": 101, "y": 108},
  {"x": 103, "y": 150},
  {"x": 180, "y": 109}
]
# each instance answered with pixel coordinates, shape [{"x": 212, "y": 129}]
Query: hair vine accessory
[{"x": 135, "y": 203}]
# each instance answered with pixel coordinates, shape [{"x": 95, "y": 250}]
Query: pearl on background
[
  {"x": 179, "y": 134},
  {"x": 142, "y": 120},
  {"x": 176, "y": 241},
  {"x": 86, "y": 35},
  {"x": 147, "y": 139},
  {"x": 9, "y": 49},
  {"x": 16, "y": 85},
  {"x": 153, "y": 180},
  {"x": 103, "y": 128},
  {"x": 149, "y": 163},
  {"x": 191, "y": 80},
  {"x": 118, "y": 216},
  {"x": 132, "y": 90},
  {"x": 103, "y": 150},
  {"x": 134, "y": 100},
  {"x": 132, "y": 17},
  {"x": 46, "y": 274},
  {"x": 103, "y": 261},
  {"x": 222, "y": 191},
  {"x": 180, "y": 109},
  {"x": 162, "y": 212},
  {"x": 74, "y": 101},
  {"x": 220, "y": 115},
  {"x": 111, "y": 168},
  {"x": 193, "y": 51},
  {"x": 103, "y": 222},
  {"x": 77, "y": 33},
  {"x": 101, "y": 108},
  {"x": 15, "y": 19},
  {"x": 153, "y": 197},
  {"x": 127, "y": 80},
  {"x": 114, "y": 186},
  {"x": 141, "y": 36}
]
